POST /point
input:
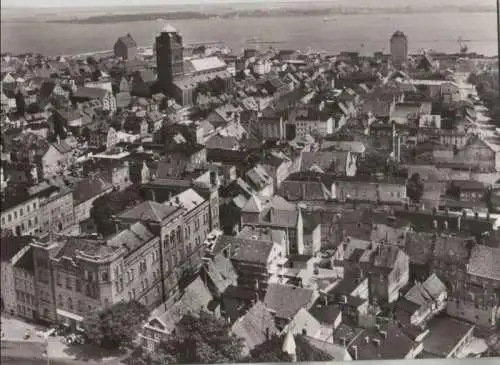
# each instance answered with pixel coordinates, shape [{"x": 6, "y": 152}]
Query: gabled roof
[
  {"x": 128, "y": 41},
  {"x": 169, "y": 29},
  {"x": 222, "y": 273},
  {"x": 132, "y": 238},
  {"x": 305, "y": 322},
  {"x": 251, "y": 250},
  {"x": 485, "y": 262},
  {"x": 287, "y": 300},
  {"x": 149, "y": 211},
  {"x": 196, "y": 297},
  {"x": 332, "y": 351},
  {"x": 89, "y": 188},
  {"x": 90, "y": 93},
  {"x": 445, "y": 334},
  {"x": 188, "y": 199},
  {"x": 255, "y": 326},
  {"x": 207, "y": 64},
  {"x": 253, "y": 205}
]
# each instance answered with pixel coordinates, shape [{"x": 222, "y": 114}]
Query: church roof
[{"x": 169, "y": 29}]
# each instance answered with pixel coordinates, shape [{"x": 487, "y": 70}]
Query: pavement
[
  {"x": 17, "y": 350},
  {"x": 13, "y": 329}
]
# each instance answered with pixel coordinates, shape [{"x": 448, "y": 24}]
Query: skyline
[{"x": 54, "y": 4}]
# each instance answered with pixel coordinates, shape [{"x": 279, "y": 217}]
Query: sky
[{"x": 101, "y": 3}]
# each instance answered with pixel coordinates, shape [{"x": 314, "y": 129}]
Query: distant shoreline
[{"x": 282, "y": 12}]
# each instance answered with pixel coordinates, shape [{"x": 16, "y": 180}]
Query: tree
[
  {"x": 104, "y": 207},
  {"x": 371, "y": 163},
  {"x": 269, "y": 351},
  {"x": 117, "y": 326},
  {"x": 203, "y": 339},
  {"x": 453, "y": 191},
  {"x": 415, "y": 187}
]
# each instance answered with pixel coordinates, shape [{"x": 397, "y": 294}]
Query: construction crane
[{"x": 463, "y": 45}]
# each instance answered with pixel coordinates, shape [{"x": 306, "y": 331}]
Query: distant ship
[{"x": 327, "y": 19}]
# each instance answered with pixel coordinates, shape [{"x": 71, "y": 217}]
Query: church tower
[{"x": 169, "y": 57}]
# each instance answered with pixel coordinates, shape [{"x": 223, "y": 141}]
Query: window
[
  {"x": 68, "y": 283},
  {"x": 60, "y": 300},
  {"x": 70, "y": 303},
  {"x": 146, "y": 283},
  {"x": 21, "y": 212},
  {"x": 28, "y": 209},
  {"x": 78, "y": 286},
  {"x": 58, "y": 279},
  {"x": 9, "y": 217},
  {"x": 3, "y": 220},
  {"x": 105, "y": 276},
  {"x": 34, "y": 205}
]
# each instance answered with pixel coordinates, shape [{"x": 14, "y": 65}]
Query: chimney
[
  {"x": 367, "y": 339},
  {"x": 343, "y": 340},
  {"x": 476, "y": 215},
  {"x": 213, "y": 178}
]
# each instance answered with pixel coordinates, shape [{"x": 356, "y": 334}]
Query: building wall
[
  {"x": 53, "y": 162},
  {"x": 57, "y": 214},
  {"x": 44, "y": 283},
  {"x": 8, "y": 285},
  {"x": 27, "y": 302},
  {"x": 399, "y": 49},
  {"x": 472, "y": 311},
  {"x": 82, "y": 210},
  {"x": 370, "y": 191},
  {"x": 312, "y": 242},
  {"x": 23, "y": 219},
  {"x": 479, "y": 156}
]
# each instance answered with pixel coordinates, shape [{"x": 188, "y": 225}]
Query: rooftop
[
  {"x": 287, "y": 300},
  {"x": 445, "y": 334},
  {"x": 149, "y": 211}
]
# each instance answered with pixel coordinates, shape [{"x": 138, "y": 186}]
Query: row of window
[
  {"x": 25, "y": 298},
  {"x": 68, "y": 304},
  {"x": 14, "y": 215}
]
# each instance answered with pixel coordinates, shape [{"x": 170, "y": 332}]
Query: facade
[
  {"x": 179, "y": 254},
  {"x": 22, "y": 216},
  {"x": 78, "y": 275},
  {"x": 57, "y": 211},
  {"x": 399, "y": 48},
  {"x": 85, "y": 192},
  {"x": 55, "y": 159},
  {"x": 169, "y": 57},
  {"x": 24, "y": 284},
  {"x": 388, "y": 270},
  {"x": 13, "y": 250},
  {"x": 125, "y": 47},
  {"x": 373, "y": 191}
]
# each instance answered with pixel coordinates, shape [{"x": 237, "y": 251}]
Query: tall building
[
  {"x": 169, "y": 57},
  {"x": 399, "y": 48}
]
